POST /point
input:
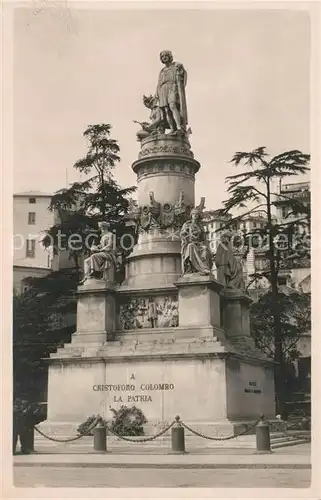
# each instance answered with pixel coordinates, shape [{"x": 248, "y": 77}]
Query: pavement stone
[
  {"x": 236, "y": 459},
  {"x": 40, "y": 477}
]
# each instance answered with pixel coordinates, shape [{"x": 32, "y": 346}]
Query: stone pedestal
[
  {"x": 213, "y": 389},
  {"x": 236, "y": 315},
  {"x": 155, "y": 261},
  {"x": 164, "y": 343},
  {"x": 165, "y": 166},
  {"x": 96, "y": 312},
  {"x": 199, "y": 304}
]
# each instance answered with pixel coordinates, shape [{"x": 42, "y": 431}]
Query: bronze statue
[
  {"x": 196, "y": 254},
  {"x": 229, "y": 268},
  {"x": 171, "y": 93}
]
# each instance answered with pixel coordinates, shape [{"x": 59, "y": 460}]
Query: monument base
[{"x": 214, "y": 386}]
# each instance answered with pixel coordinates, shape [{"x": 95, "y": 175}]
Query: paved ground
[
  {"x": 289, "y": 457},
  {"x": 38, "y": 476},
  {"x": 284, "y": 468}
]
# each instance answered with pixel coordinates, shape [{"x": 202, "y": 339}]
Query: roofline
[
  {"x": 32, "y": 195},
  {"x": 15, "y": 266}
]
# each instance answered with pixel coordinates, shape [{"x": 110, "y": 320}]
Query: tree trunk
[{"x": 278, "y": 351}]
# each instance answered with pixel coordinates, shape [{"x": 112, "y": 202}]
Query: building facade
[{"x": 31, "y": 221}]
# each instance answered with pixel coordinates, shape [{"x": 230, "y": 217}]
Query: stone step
[
  {"x": 279, "y": 439},
  {"x": 291, "y": 442}
]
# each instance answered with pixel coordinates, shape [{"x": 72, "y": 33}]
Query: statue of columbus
[{"x": 171, "y": 93}]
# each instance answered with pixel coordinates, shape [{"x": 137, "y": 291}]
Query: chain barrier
[
  {"x": 85, "y": 433},
  {"x": 142, "y": 440},
  {"x": 224, "y": 438},
  {"x": 152, "y": 438}
]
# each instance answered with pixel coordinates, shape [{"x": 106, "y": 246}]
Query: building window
[
  {"x": 31, "y": 249},
  {"x": 32, "y": 200},
  {"x": 31, "y": 217}
]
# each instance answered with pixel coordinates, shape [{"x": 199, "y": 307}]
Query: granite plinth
[
  {"x": 205, "y": 381},
  {"x": 155, "y": 261},
  {"x": 236, "y": 315},
  {"x": 164, "y": 145},
  {"x": 96, "y": 311},
  {"x": 202, "y": 366},
  {"x": 165, "y": 167},
  {"x": 199, "y": 302}
]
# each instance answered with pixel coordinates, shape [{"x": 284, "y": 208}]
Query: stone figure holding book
[{"x": 102, "y": 261}]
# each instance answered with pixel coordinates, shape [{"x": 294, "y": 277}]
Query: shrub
[
  {"x": 88, "y": 423},
  {"x": 128, "y": 421}
]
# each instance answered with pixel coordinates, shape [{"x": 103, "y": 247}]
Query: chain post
[
  {"x": 178, "y": 437},
  {"x": 263, "y": 443},
  {"x": 100, "y": 438}
]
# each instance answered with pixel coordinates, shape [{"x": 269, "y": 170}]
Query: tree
[
  {"x": 255, "y": 186},
  {"x": 295, "y": 321},
  {"x": 99, "y": 198},
  {"x": 43, "y": 319}
]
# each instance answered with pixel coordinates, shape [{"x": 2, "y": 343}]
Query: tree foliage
[
  {"x": 295, "y": 321},
  {"x": 81, "y": 206},
  {"x": 43, "y": 320}
]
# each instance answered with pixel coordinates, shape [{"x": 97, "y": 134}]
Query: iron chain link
[
  {"x": 142, "y": 440},
  {"x": 85, "y": 433},
  {"x": 151, "y": 438},
  {"x": 224, "y": 438}
]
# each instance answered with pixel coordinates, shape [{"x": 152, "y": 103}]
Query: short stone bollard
[
  {"x": 178, "y": 437},
  {"x": 263, "y": 443},
  {"x": 100, "y": 438}
]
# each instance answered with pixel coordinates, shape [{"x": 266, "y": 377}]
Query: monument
[{"x": 170, "y": 338}]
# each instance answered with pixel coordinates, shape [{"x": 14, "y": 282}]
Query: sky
[{"x": 248, "y": 86}]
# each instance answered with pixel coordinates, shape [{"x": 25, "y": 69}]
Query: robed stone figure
[
  {"x": 229, "y": 268},
  {"x": 103, "y": 259},
  {"x": 196, "y": 255},
  {"x": 171, "y": 93}
]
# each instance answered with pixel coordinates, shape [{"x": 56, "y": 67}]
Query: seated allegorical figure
[
  {"x": 195, "y": 251},
  {"x": 103, "y": 260}
]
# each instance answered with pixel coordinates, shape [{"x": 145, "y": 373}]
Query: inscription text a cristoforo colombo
[{"x": 132, "y": 387}]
